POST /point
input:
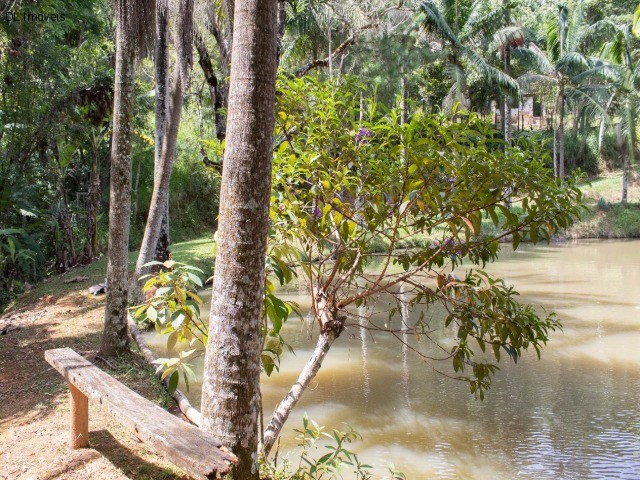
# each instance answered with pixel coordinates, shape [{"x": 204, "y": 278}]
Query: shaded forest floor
[{"x": 34, "y": 405}]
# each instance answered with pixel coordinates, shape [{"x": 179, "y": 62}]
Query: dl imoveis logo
[{"x": 33, "y": 17}]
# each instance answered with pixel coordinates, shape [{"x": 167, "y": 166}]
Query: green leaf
[{"x": 173, "y": 382}]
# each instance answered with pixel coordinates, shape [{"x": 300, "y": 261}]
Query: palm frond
[
  {"x": 507, "y": 36},
  {"x": 603, "y": 27},
  {"x": 534, "y": 83},
  {"x": 492, "y": 75},
  {"x": 588, "y": 103},
  {"x": 629, "y": 120},
  {"x": 605, "y": 72},
  {"x": 553, "y": 40},
  {"x": 482, "y": 20},
  {"x": 435, "y": 22},
  {"x": 614, "y": 50},
  {"x": 572, "y": 62},
  {"x": 535, "y": 57}
]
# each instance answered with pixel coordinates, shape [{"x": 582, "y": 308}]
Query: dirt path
[{"x": 34, "y": 408}]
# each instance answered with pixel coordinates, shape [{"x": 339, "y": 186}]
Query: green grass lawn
[{"x": 609, "y": 187}]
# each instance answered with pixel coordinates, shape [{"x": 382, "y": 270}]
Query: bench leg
[{"x": 79, "y": 418}]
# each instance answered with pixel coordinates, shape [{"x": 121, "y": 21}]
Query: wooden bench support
[
  {"x": 79, "y": 417},
  {"x": 185, "y": 445}
]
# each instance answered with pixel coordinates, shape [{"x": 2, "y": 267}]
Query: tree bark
[
  {"x": 308, "y": 373},
  {"x": 216, "y": 90},
  {"x": 161, "y": 181},
  {"x": 507, "y": 71},
  {"x": 115, "y": 338},
  {"x": 629, "y": 158},
  {"x": 231, "y": 401},
  {"x": 561, "y": 134},
  {"x": 161, "y": 73},
  {"x": 93, "y": 205}
]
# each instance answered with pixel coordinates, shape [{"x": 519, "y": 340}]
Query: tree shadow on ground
[{"x": 131, "y": 465}]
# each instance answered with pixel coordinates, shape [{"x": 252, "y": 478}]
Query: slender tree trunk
[
  {"x": 308, "y": 373},
  {"x": 161, "y": 74},
  {"x": 507, "y": 71},
  {"x": 162, "y": 179},
  {"x": 561, "y": 134},
  {"x": 216, "y": 91},
  {"x": 115, "y": 338},
  {"x": 93, "y": 205},
  {"x": 163, "y": 252},
  {"x": 64, "y": 221},
  {"x": 403, "y": 98},
  {"x": 629, "y": 158},
  {"x": 583, "y": 137},
  {"x": 134, "y": 192},
  {"x": 555, "y": 152},
  {"x": 231, "y": 401}
]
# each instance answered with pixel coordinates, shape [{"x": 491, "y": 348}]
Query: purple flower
[
  {"x": 317, "y": 212},
  {"x": 451, "y": 179},
  {"x": 449, "y": 242},
  {"x": 363, "y": 134}
]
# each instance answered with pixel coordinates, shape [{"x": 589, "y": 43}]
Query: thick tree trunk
[
  {"x": 231, "y": 401},
  {"x": 161, "y": 181},
  {"x": 115, "y": 338},
  {"x": 308, "y": 373}
]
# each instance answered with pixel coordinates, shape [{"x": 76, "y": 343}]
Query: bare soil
[{"x": 34, "y": 404}]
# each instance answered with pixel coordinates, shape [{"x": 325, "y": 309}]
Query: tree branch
[{"x": 324, "y": 62}]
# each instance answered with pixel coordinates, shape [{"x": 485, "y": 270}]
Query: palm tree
[
  {"x": 621, "y": 75},
  {"x": 466, "y": 33},
  {"x": 134, "y": 30},
  {"x": 558, "y": 70}
]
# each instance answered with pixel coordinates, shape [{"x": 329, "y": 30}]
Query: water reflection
[{"x": 573, "y": 415}]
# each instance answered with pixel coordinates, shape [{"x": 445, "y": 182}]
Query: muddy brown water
[{"x": 575, "y": 414}]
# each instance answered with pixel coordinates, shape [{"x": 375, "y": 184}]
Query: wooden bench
[{"x": 186, "y": 446}]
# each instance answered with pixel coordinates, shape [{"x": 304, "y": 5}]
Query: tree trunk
[
  {"x": 561, "y": 134},
  {"x": 115, "y": 338},
  {"x": 629, "y": 158},
  {"x": 216, "y": 91},
  {"x": 163, "y": 253},
  {"x": 507, "y": 71},
  {"x": 161, "y": 73},
  {"x": 93, "y": 206},
  {"x": 284, "y": 408},
  {"x": 403, "y": 98},
  {"x": 161, "y": 181},
  {"x": 231, "y": 401}
]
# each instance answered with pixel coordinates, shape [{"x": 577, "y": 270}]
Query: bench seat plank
[{"x": 191, "y": 449}]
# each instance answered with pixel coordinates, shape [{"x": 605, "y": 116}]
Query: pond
[{"x": 575, "y": 414}]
